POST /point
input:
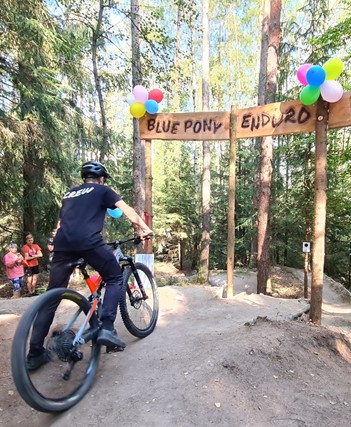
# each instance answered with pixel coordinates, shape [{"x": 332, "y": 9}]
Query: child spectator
[{"x": 14, "y": 268}]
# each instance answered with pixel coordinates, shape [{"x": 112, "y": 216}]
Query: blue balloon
[
  {"x": 115, "y": 213},
  {"x": 316, "y": 75},
  {"x": 151, "y": 106}
]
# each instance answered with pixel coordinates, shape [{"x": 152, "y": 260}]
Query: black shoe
[
  {"x": 114, "y": 349},
  {"x": 109, "y": 339},
  {"x": 35, "y": 362},
  {"x": 35, "y": 294}
]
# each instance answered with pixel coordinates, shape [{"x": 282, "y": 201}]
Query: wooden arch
[{"x": 280, "y": 118}]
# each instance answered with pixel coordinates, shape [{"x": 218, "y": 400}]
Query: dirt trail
[
  {"x": 210, "y": 362},
  {"x": 336, "y": 306}
]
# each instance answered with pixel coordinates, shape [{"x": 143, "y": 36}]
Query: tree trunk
[
  {"x": 206, "y": 175},
  {"x": 258, "y": 141},
  {"x": 263, "y": 262},
  {"x": 96, "y": 36},
  {"x": 33, "y": 175},
  {"x": 138, "y": 145},
  {"x": 176, "y": 98},
  {"x": 266, "y": 169}
]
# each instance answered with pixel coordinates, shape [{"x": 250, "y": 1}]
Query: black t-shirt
[{"x": 82, "y": 217}]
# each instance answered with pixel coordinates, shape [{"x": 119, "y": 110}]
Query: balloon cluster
[
  {"x": 320, "y": 81},
  {"x": 141, "y": 101}
]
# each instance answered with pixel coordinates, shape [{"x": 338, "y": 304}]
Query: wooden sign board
[
  {"x": 185, "y": 126},
  {"x": 279, "y": 118}
]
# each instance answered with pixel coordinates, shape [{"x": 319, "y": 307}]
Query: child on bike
[
  {"x": 14, "y": 268},
  {"x": 79, "y": 235}
]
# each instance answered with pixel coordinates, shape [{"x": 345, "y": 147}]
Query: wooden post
[
  {"x": 320, "y": 207},
  {"x": 231, "y": 206},
  {"x": 148, "y": 190},
  {"x": 305, "y": 276}
]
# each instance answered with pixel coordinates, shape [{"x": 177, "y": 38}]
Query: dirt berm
[{"x": 236, "y": 362}]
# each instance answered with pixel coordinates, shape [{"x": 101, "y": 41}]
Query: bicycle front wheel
[
  {"x": 139, "y": 306},
  {"x": 70, "y": 367}
]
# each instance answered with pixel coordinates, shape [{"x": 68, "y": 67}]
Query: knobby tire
[
  {"x": 22, "y": 377},
  {"x": 141, "y": 319}
]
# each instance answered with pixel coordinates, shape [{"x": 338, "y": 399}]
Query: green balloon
[{"x": 310, "y": 94}]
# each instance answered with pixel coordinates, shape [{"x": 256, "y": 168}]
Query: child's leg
[
  {"x": 30, "y": 283},
  {"x": 16, "y": 287},
  {"x": 21, "y": 280},
  {"x": 34, "y": 282}
]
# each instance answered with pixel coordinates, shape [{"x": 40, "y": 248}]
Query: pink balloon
[
  {"x": 140, "y": 93},
  {"x": 331, "y": 91},
  {"x": 301, "y": 73}
]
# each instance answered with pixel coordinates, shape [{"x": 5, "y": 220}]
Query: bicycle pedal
[{"x": 113, "y": 349}]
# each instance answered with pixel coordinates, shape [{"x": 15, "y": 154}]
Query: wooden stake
[
  {"x": 148, "y": 190},
  {"x": 305, "y": 276},
  {"x": 231, "y": 206},
  {"x": 320, "y": 207}
]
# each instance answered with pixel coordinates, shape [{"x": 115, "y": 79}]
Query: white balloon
[
  {"x": 331, "y": 91},
  {"x": 131, "y": 99}
]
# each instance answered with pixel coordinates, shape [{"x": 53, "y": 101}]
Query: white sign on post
[
  {"x": 306, "y": 247},
  {"x": 148, "y": 260}
]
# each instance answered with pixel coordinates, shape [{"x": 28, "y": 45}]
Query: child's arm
[{"x": 8, "y": 263}]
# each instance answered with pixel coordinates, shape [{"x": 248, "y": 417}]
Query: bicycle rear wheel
[
  {"x": 70, "y": 371},
  {"x": 139, "y": 314}
]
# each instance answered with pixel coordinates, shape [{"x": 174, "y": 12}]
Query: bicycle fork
[{"x": 139, "y": 282}]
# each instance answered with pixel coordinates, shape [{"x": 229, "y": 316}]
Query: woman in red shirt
[{"x": 31, "y": 253}]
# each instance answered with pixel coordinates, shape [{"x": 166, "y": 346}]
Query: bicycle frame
[
  {"x": 95, "y": 284},
  {"x": 74, "y": 331}
]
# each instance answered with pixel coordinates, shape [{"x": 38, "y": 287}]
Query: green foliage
[{"x": 50, "y": 123}]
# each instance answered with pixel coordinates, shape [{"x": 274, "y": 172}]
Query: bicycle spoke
[
  {"x": 70, "y": 363},
  {"x": 49, "y": 380},
  {"x": 140, "y": 308}
]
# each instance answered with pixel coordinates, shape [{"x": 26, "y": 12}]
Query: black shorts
[{"x": 30, "y": 271}]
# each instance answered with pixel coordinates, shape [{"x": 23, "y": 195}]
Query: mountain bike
[{"x": 71, "y": 342}]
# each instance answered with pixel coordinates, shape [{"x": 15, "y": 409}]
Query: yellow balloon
[
  {"x": 333, "y": 67},
  {"x": 137, "y": 110}
]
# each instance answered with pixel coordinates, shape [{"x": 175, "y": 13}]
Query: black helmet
[{"x": 94, "y": 170}]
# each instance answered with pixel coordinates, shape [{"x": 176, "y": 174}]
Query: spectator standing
[
  {"x": 31, "y": 253},
  {"x": 14, "y": 268}
]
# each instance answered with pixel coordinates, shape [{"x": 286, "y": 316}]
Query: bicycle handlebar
[{"x": 136, "y": 240}]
